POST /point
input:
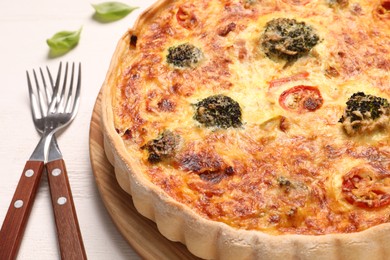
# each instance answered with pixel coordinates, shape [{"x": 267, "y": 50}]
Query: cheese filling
[{"x": 288, "y": 165}]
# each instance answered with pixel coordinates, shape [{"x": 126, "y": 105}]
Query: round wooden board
[{"x": 141, "y": 233}]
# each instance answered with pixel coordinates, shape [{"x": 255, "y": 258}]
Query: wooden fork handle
[
  {"x": 15, "y": 221},
  {"x": 68, "y": 230}
]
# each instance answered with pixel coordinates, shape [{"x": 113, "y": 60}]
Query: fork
[
  {"x": 68, "y": 230},
  {"x": 50, "y": 114}
]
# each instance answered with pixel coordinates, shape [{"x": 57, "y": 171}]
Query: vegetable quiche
[{"x": 256, "y": 128}]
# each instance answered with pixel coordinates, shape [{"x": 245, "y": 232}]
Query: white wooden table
[{"x": 24, "y": 26}]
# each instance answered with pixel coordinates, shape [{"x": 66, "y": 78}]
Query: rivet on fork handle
[
  {"x": 71, "y": 243},
  {"x": 15, "y": 221}
]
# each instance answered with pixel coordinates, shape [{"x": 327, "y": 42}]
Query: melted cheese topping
[{"x": 282, "y": 171}]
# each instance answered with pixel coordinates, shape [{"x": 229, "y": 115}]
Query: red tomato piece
[
  {"x": 301, "y": 99},
  {"x": 366, "y": 189}
]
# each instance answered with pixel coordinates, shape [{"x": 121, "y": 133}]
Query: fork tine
[
  {"x": 74, "y": 95},
  {"x": 56, "y": 88},
  {"x": 47, "y": 90},
  {"x": 51, "y": 88},
  {"x": 41, "y": 102},
  {"x": 61, "y": 101},
  {"x": 33, "y": 100},
  {"x": 70, "y": 91}
]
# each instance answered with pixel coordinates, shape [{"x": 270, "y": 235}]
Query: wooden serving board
[{"x": 141, "y": 233}]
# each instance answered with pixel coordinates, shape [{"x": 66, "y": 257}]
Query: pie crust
[{"x": 211, "y": 239}]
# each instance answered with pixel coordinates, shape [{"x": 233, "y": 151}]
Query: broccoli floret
[
  {"x": 365, "y": 113},
  {"x": 219, "y": 110},
  {"x": 184, "y": 55},
  {"x": 288, "y": 39},
  {"x": 161, "y": 148}
]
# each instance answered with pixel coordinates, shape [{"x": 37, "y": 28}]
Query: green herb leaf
[
  {"x": 111, "y": 11},
  {"x": 62, "y": 42}
]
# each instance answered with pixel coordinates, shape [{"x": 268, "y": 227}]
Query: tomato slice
[
  {"x": 186, "y": 18},
  {"x": 366, "y": 189},
  {"x": 301, "y": 99}
]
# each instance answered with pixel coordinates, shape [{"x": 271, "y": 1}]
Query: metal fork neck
[
  {"x": 42, "y": 149},
  {"x": 54, "y": 151}
]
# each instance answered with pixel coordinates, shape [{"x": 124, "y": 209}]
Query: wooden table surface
[{"x": 25, "y": 25}]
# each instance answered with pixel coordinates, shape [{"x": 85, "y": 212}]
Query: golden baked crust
[{"x": 280, "y": 171}]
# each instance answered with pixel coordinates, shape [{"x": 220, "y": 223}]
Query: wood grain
[
  {"x": 15, "y": 221},
  {"x": 68, "y": 229},
  {"x": 141, "y": 233}
]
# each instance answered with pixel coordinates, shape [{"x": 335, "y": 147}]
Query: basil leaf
[
  {"x": 62, "y": 42},
  {"x": 111, "y": 11}
]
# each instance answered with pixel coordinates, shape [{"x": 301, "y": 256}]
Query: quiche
[{"x": 252, "y": 129}]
